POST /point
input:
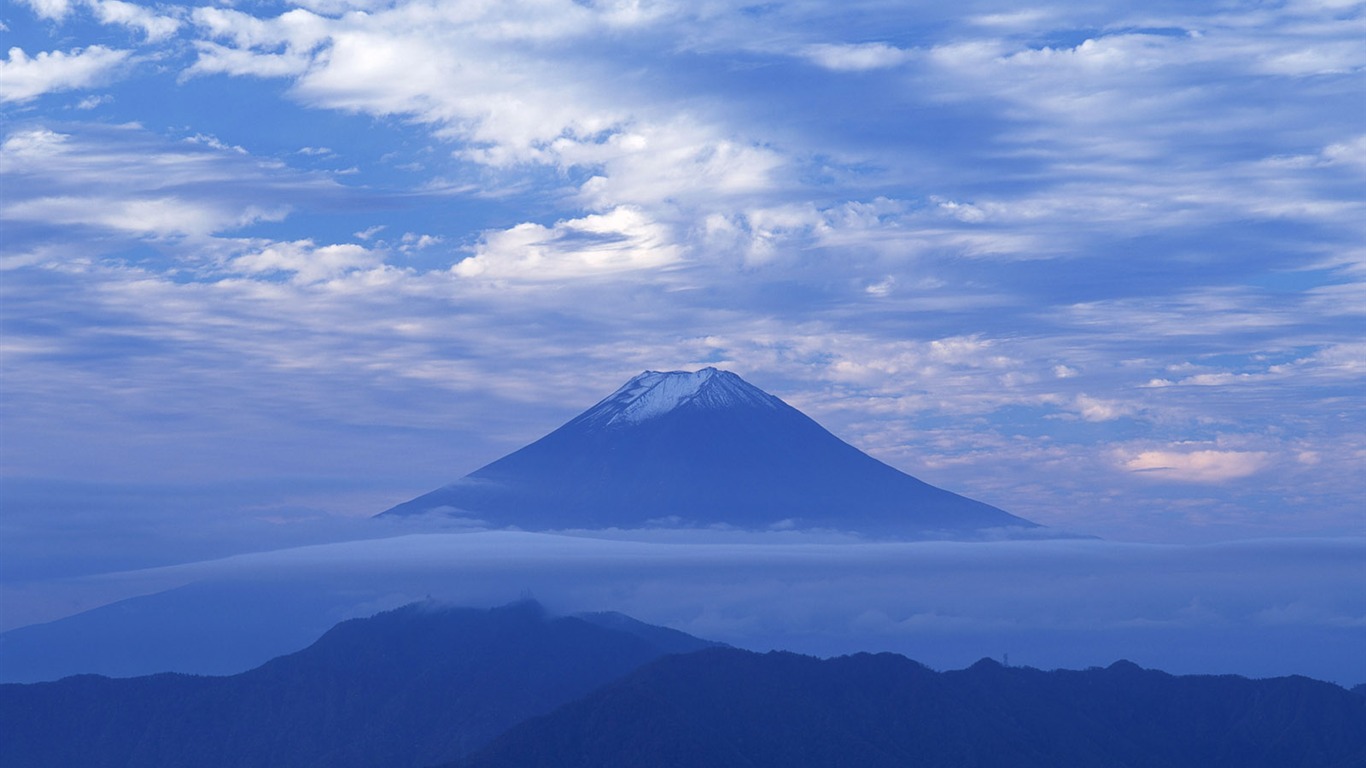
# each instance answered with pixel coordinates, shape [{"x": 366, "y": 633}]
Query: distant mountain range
[
  {"x": 704, "y": 448},
  {"x": 431, "y": 685}
]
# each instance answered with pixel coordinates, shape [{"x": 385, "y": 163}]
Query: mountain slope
[
  {"x": 702, "y": 448},
  {"x": 410, "y": 687},
  {"x": 729, "y": 707}
]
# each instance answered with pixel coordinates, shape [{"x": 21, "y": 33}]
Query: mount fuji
[{"x": 697, "y": 449}]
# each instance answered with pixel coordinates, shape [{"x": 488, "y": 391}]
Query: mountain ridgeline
[
  {"x": 413, "y": 687},
  {"x": 514, "y": 687},
  {"x": 728, "y": 707},
  {"x": 698, "y": 449}
]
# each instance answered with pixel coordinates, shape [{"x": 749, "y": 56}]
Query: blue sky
[{"x": 269, "y": 268}]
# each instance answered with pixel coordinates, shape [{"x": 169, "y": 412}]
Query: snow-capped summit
[
  {"x": 652, "y": 394},
  {"x": 702, "y": 448}
]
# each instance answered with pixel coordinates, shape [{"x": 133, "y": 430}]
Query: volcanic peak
[
  {"x": 706, "y": 448},
  {"x": 654, "y": 393}
]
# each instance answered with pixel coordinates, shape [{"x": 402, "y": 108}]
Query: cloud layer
[{"x": 1256, "y": 608}]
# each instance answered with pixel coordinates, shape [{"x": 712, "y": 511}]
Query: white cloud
[
  {"x": 437, "y": 64},
  {"x": 469, "y": 73},
  {"x": 1029, "y": 20},
  {"x": 1346, "y": 361},
  {"x": 30, "y": 144},
  {"x": 123, "y": 179},
  {"x": 1220, "y": 379},
  {"x": 965, "y": 212},
  {"x": 481, "y": 77},
  {"x": 1208, "y": 466},
  {"x": 50, "y": 9},
  {"x": 23, "y": 78},
  {"x": 1096, "y": 409},
  {"x": 162, "y": 216},
  {"x": 91, "y": 102},
  {"x": 882, "y": 287},
  {"x": 621, "y": 240},
  {"x": 306, "y": 262},
  {"x": 213, "y": 141},
  {"x": 1101, "y": 115},
  {"x": 675, "y": 162},
  {"x": 155, "y": 27},
  {"x": 1311, "y": 58},
  {"x": 256, "y": 43},
  {"x": 762, "y": 235},
  {"x": 217, "y": 59},
  {"x": 337, "y": 7},
  {"x": 297, "y": 29},
  {"x": 1329, "y": 363},
  {"x": 856, "y": 57},
  {"x": 412, "y": 241},
  {"x": 1350, "y": 152}
]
